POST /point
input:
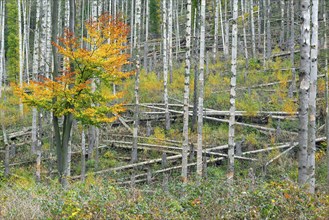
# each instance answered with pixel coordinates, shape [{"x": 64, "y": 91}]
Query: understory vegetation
[
  {"x": 258, "y": 192},
  {"x": 273, "y": 195}
]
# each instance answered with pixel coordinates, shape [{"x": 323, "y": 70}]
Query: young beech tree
[{"x": 71, "y": 95}]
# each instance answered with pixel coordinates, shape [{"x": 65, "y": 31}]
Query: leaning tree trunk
[
  {"x": 230, "y": 173},
  {"x": 313, "y": 85},
  {"x": 222, "y": 26},
  {"x": 186, "y": 90},
  {"x": 201, "y": 87},
  {"x": 304, "y": 86}
]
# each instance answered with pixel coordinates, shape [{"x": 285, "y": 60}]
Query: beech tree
[{"x": 70, "y": 95}]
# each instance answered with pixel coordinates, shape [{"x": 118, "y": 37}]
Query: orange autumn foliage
[{"x": 100, "y": 62}]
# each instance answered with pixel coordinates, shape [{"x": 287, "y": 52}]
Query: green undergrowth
[{"x": 271, "y": 196}]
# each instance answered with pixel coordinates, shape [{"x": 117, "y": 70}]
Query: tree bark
[
  {"x": 136, "y": 111},
  {"x": 304, "y": 86},
  {"x": 268, "y": 30},
  {"x": 170, "y": 42},
  {"x": 312, "y": 99},
  {"x": 253, "y": 38},
  {"x": 186, "y": 91},
  {"x": 165, "y": 62},
  {"x": 281, "y": 41},
  {"x": 292, "y": 49},
  {"x": 201, "y": 87},
  {"x": 83, "y": 155},
  {"x": 21, "y": 52},
  {"x": 327, "y": 86},
  {"x": 230, "y": 173},
  {"x": 216, "y": 30}
]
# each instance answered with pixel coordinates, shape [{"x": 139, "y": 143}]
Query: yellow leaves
[
  {"x": 319, "y": 155},
  {"x": 287, "y": 196},
  {"x": 290, "y": 106},
  {"x": 71, "y": 92}
]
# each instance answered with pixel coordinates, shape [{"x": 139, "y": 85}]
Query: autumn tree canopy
[{"x": 100, "y": 62}]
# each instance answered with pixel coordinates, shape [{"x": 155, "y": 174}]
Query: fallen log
[
  {"x": 170, "y": 169},
  {"x": 227, "y": 121},
  {"x": 129, "y": 166}
]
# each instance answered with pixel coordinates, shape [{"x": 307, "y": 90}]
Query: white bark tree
[
  {"x": 136, "y": 111},
  {"x": 253, "y": 38},
  {"x": 231, "y": 144},
  {"x": 216, "y": 30},
  {"x": 304, "y": 86},
  {"x": 165, "y": 61},
  {"x": 187, "y": 90},
  {"x": 21, "y": 52},
  {"x": 170, "y": 41},
  {"x": 327, "y": 86},
  {"x": 2, "y": 44},
  {"x": 201, "y": 87},
  {"x": 312, "y": 101}
]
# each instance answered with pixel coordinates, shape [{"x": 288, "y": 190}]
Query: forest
[{"x": 164, "y": 109}]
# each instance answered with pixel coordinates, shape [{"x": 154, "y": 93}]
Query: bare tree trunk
[
  {"x": 216, "y": 30},
  {"x": 312, "y": 99},
  {"x": 132, "y": 9},
  {"x": 244, "y": 37},
  {"x": 230, "y": 173},
  {"x": 7, "y": 149},
  {"x": 281, "y": 41},
  {"x": 38, "y": 150},
  {"x": 186, "y": 91},
  {"x": 170, "y": 43},
  {"x": 2, "y": 40},
  {"x": 259, "y": 22},
  {"x": 21, "y": 52},
  {"x": 304, "y": 80},
  {"x": 165, "y": 62},
  {"x": 164, "y": 165},
  {"x": 253, "y": 38},
  {"x": 327, "y": 86},
  {"x": 136, "y": 112},
  {"x": 83, "y": 155},
  {"x": 292, "y": 49},
  {"x": 268, "y": 30},
  {"x": 177, "y": 31},
  {"x": 222, "y": 25},
  {"x": 195, "y": 44},
  {"x": 227, "y": 32},
  {"x": 146, "y": 45},
  {"x": 201, "y": 87}
]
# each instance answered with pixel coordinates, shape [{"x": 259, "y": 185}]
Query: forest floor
[{"x": 274, "y": 195}]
